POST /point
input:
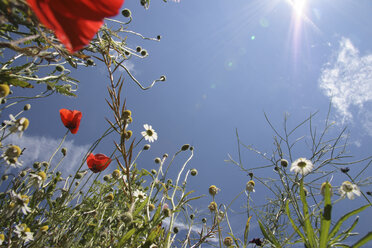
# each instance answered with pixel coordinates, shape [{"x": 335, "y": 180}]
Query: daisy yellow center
[
  {"x": 149, "y": 132},
  {"x": 347, "y": 187},
  {"x": 25, "y": 199},
  {"x": 301, "y": 164},
  {"x": 42, "y": 175},
  {"x": 13, "y": 151}
]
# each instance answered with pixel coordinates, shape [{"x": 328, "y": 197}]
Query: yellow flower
[{"x": 4, "y": 90}]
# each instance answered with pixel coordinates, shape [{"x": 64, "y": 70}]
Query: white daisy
[
  {"x": 11, "y": 155},
  {"x": 302, "y": 166},
  {"x": 24, "y": 232},
  {"x": 140, "y": 195},
  {"x": 37, "y": 179},
  {"x": 349, "y": 189},
  {"x": 17, "y": 125},
  {"x": 19, "y": 203},
  {"x": 149, "y": 134},
  {"x": 250, "y": 186}
]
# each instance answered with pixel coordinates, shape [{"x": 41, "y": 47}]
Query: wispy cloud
[
  {"x": 347, "y": 80},
  {"x": 38, "y": 149}
]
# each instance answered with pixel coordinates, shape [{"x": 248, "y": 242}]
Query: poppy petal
[
  {"x": 98, "y": 162},
  {"x": 75, "y": 22},
  {"x": 71, "y": 119}
]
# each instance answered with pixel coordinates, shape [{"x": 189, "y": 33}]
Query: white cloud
[
  {"x": 39, "y": 149},
  {"x": 347, "y": 80}
]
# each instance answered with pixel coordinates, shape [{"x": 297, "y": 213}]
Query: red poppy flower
[
  {"x": 71, "y": 119},
  {"x": 98, "y": 162},
  {"x": 75, "y": 22}
]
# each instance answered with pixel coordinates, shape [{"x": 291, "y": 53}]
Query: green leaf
[
  {"x": 143, "y": 204},
  {"x": 126, "y": 237},
  {"x": 246, "y": 231},
  {"x": 268, "y": 235},
  {"x": 345, "y": 233},
  {"x": 325, "y": 223},
  {"x": 292, "y": 222},
  {"x": 336, "y": 227},
  {"x": 308, "y": 228},
  {"x": 363, "y": 240}
]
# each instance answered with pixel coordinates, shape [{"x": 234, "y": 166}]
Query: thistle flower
[
  {"x": 250, "y": 186},
  {"x": 302, "y": 166},
  {"x": 149, "y": 134},
  {"x": 349, "y": 189},
  {"x": 24, "y": 232}
]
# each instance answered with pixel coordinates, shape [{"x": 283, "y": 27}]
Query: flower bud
[
  {"x": 27, "y": 107},
  {"x": 163, "y": 78},
  {"x": 153, "y": 171},
  {"x": 138, "y": 49},
  {"x": 213, "y": 190},
  {"x": 212, "y": 206},
  {"x": 192, "y": 216},
  {"x": 106, "y": 178},
  {"x": 126, "y": 13},
  {"x": 345, "y": 170},
  {"x": 322, "y": 188},
  {"x": 175, "y": 229},
  {"x": 60, "y": 68},
  {"x": 204, "y": 220},
  {"x": 157, "y": 160},
  {"x": 44, "y": 229},
  {"x": 4, "y": 90},
  {"x": 128, "y": 134},
  {"x": 116, "y": 174},
  {"x": 284, "y": 163},
  {"x": 45, "y": 164},
  {"x": 127, "y": 217},
  {"x": 64, "y": 151},
  {"x": 23, "y": 173},
  {"x": 158, "y": 37},
  {"x": 36, "y": 165},
  {"x": 185, "y": 147},
  {"x": 228, "y": 241},
  {"x": 250, "y": 186},
  {"x": 151, "y": 207},
  {"x": 90, "y": 62},
  {"x": 4, "y": 177},
  {"x": 194, "y": 172},
  {"x": 146, "y": 147},
  {"x": 109, "y": 197},
  {"x": 144, "y": 52},
  {"x": 167, "y": 212}
]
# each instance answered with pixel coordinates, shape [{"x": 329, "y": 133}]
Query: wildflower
[
  {"x": 12, "y": 154},
  {"x": 4, "y": 90},
  {"x": 2, "y": 238},
  {"x": 140, "y": 195},
  {"x": 349, "y": 189},
  {"x": 213, "y": 190},
  {"x": 149, "y": 134},
  {"x": 98, "y": 162},
  {"x": 212, "y": 206},
  {"x": 250, "y": 186},
  {"x": 71, "y": 119},
  {"x": 322, "y": 188},
  {"x": 24, "y": 232},
  {"x": 17, "y": 125},
  {"x": 302, "y": 166},
  {"x": 74, "y": 22},
  {"x": 38, "y": 178},
  {"x": 19, "y": 203},
  {"x": 228, "y": 241}
]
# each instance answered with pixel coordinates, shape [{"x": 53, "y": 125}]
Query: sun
[{"x": 298, "y": 6}]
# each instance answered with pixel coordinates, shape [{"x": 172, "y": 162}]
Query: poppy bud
[
  {"x": 157, "y": 160},
  {"x": 163, "y": 78},
  {"x": 60, "y": 68},
  {"x": 146, "y": 147},
  {"x": 194, "y": 172},
  {"x": 185, "y": 147},
  {"x": 27, "y": 107},
  {"x": 126, "y": 13},
  {"x": 169, "y": 181}
]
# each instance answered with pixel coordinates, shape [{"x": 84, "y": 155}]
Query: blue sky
[{"x": 227, "y": 63}]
